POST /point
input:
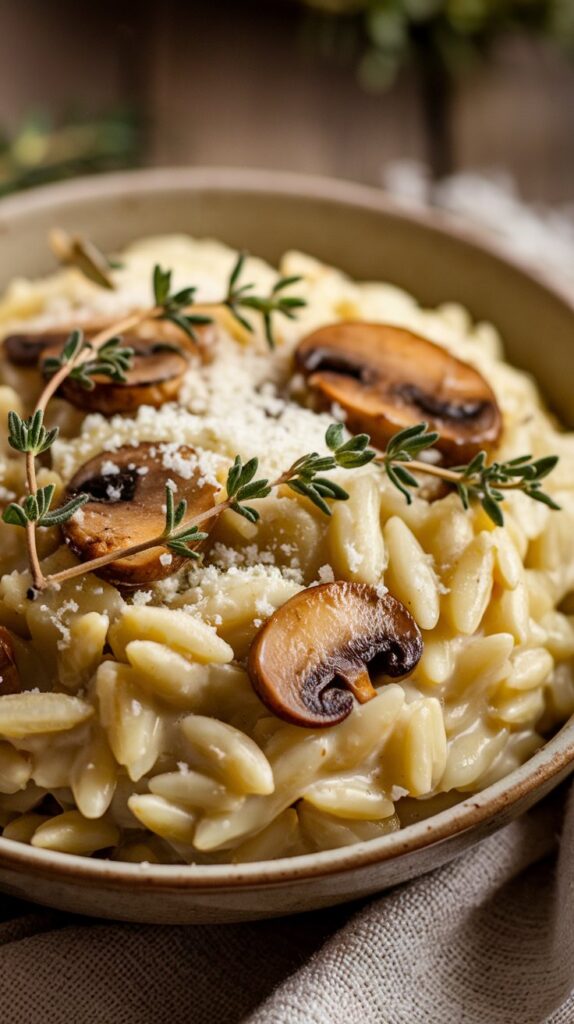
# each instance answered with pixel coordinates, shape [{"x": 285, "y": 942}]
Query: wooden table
[{"x": 232, "y": 82}]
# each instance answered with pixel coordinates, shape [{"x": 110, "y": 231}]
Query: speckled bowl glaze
[{"x": 361, "y": 231}]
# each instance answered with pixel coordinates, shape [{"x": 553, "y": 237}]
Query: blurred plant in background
[
  {"x": 440, "y": 39},
  {"x": 41, "y": 151}
]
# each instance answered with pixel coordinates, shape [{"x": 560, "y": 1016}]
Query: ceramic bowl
[{"x": 360, "y": 230}]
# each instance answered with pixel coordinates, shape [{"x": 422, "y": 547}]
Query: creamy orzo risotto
[{"x": 129, "y": 724}]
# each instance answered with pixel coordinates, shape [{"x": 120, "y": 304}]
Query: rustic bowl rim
[{"x": 551, "y": 760}]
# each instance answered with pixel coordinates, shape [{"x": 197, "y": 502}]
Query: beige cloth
[{"x": 488, "y": 939}]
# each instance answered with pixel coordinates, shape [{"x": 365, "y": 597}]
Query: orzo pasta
[{"x": 137, "y": 726}]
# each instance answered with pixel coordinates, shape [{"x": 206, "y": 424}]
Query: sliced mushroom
[
  {"x": 310, "y": 658},
  {"x": 9, "y": 675},
  {"x": 126, "y": 507},
  {"x": 26, "y": 348},
  {"x": 387, "y": 378},
  {"x": 154, "y": 377}
]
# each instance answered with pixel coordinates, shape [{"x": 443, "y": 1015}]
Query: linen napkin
[{"x": 488, "y": 939}]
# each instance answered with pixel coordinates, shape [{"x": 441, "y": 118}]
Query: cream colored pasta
[
  {"x": 167, "y": 674},
  {"x": 239, "y": 604},
  {"x": 354, "y": 797},
  {"x": 80, "y": 657},
  {"x": 410, "y": 577},
  {"x": 357, "y": 549},
  {"x": 22, "y": 828},
  {"x": 138, "y": 734},
  {"x": 165, "y": 818},
  {"x": 279, "y": 839},
  {"x": 188, "y": 635},
  {"x": 324, "y": 831},
  {"x": 133, "y": 726},
  {"x": 15, "y": 769},
  {"x": 232, "y": 755},
  {"x": 194, "y": 789},
  {"x": 72, "y": 833},
  {"x": 94, "y": 775},
  {"x": 470, "y": 585},
  {"x": 26, "y": 714}
]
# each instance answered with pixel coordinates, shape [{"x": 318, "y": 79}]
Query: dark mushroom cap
[
  {"x": 126, "y": 508},
  {"x": 310, "y": 658},
  {"x": 387, "y": 378},
  {"x": 9, "y": 675},
  {"x": 26, "y": 348},
  {"x": 154, "y": 377}
]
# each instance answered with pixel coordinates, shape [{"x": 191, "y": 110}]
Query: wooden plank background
[{"x": 230, "y": 82}]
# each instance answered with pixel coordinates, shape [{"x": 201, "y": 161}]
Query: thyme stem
[
  {"x": 451, "y": 476},
  {"x": 49, "y": 390},
  {"x": 85, "y": 354},
  {"x": 160, "y": 541},
  {"x": 38, "y": 578}
]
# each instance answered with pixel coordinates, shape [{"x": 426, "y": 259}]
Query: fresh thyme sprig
[
  {"x": 303, "y": 477},
  {"x": 104, "y": 355},
  {"x": 36, "y": 508},
  {"x": 176, "y": 305},
  {"x": 404, "y": 447},
  {"x": 486, "y": 483},
  {"x": 30, "y": 435},
  {"x": 241, "y": 297},
  {"x": 242, "y": 487},
  {"x": 181, "y": 542},
  {"x": 478, "y": 481},
  {"x": 182, "y": 538},
  {"x": 112, "y": 360},
  {"x": 79, "y": 359}
]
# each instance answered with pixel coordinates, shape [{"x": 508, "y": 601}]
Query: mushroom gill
[
  {"x": 387, "y": 378},
  {"x": 311, "y": 657},
  {"x": 28, "y": 348},
  {"x": 154, "y": 377},
  {"x": 127, "y": 497}
]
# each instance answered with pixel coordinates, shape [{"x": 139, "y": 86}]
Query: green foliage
[
  {"x": 241, "y": 486},
  {"x": 476, "y": 481},
  {"x": 240, "y": 297},
  {"x": 41, "y": 149},
  {"x": 304, "y": 475},
  {"x": 183, "y": 543},
  {"x": 111, "y": 360},
  {"x": 483, "y": 483},
  {"x": 384, "y": 35},
  {"x": 175, "y": 306},
  {"x": 180, "y": 542},
  {"x": 406, "y": 446},
  {"x": 36, "y": 508},
  {"x": 174, "y": 514},
  {"x": 30, "y": 435}
]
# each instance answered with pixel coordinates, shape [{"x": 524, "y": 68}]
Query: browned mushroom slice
[
  {"x": 127, "y": 498},
  {"x": 387, "y": 378},
  {"x": 311, "y": 656},
  {"x": 9, "y": 675},
  {"x": 154, "y": 377},
  {"x": 27, "y": 348}
]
